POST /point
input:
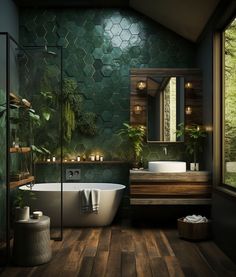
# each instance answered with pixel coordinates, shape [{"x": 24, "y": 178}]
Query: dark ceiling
[{"x": 74, "y": 3}]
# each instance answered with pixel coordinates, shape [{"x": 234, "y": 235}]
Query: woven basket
[{"x": 194, "y": 231}]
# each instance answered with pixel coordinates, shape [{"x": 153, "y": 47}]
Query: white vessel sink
[{"x": 167, "y": 166}]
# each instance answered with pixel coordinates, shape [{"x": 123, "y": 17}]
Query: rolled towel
[{"x": 195, "y": 219}]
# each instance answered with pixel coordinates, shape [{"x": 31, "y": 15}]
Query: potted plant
[
  {"x": 22, "y": 211},
  {"x": 136, "y": 136},
  {"x": 194, "y": 135}
]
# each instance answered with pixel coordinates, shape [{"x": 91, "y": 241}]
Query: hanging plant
[{"x": 74, "y": 117}]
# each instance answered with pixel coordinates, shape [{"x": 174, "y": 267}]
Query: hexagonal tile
[
  {"x": 125, "y": 23},
  {"x": 89, "y": 70},
  {"x": 40, "y": 31},
  {"x": 80, "y": 53},
  {"x": 62, "y": 32},
  {"x": 116, "y": 29},
  {"x": 88, "y": 59},
  {"x": 97, "y": 64},
  {"x": 116, "y": 53},
  {"x": 124, "y": 45},
  {"x": 97, "y": 53},
  {"x": 116, "y": 18},
  {"x": 106, "y": 59},
  {"x": 107, "y": 115},
  {"x": 125, "y": 35},
  {"x": 98, "y": 30},
  {"x": 106, "y": 70},
  {"x": 134, "y": 40},
  {"x": 97, "y": 76},
  {"x": 107, "y": 24},
  {"x": 116, "y": 41},
  {"x": 135, "y": 28},
  {"x": 134, "y": 51}
]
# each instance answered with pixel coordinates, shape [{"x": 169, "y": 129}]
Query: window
[{"x": 229, "y": 105}]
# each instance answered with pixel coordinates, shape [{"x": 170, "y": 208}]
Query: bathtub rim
[{"x": 31, "y": 188}]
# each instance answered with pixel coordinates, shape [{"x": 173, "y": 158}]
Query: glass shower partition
[
  {"x": 3, "y": 145},
  {"x": 41, "y": 83}
]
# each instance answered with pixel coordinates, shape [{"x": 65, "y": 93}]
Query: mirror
[
  {"x": 165, "y": 107},
  {"x": 162, "y": 98}
]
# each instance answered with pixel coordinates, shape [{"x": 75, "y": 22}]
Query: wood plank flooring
[{"x": 123, "y": 249}]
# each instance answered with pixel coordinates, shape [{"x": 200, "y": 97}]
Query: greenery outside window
[{"x": 229, "y": 106}]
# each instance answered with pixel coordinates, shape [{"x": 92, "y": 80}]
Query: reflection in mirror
[{"x": 165, "y": 101}]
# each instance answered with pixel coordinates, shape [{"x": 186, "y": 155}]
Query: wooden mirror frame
[{"x": 192, "y": 94}]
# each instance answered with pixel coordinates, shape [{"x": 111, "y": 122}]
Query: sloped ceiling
[{"x": 185, "y": 17}]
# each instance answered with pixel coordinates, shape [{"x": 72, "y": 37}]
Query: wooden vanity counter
[{"x": 187, "y": 188}]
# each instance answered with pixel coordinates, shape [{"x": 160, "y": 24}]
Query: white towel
[
  {"x": 85, "y": 196},
  {"x": 95, "y": 200},
  {"x": 195, "y": 219},
  {"x": 90, "y": 200}
]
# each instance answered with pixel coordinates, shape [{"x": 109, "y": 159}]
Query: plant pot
[
  {"x": 22, "y": 213},
  {"x": 194, "y": 166}
]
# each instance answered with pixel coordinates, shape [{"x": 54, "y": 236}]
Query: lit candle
[
  {"x": 53, "y": 158},
  {"x": 97, "y": 157},
  {"x": 188, "y": 85},
  {"x": 65, "y": 160},
  {"x": 72, "y": 160},
  {"x": 92, "y": 157},
  {"x": 101, "y": 158},
  {"x": 188, "y": 110},
  {"x": 78, "y": 158},
  {"x": 48, "y": 160}
]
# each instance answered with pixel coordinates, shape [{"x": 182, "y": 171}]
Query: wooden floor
[{"x": 127, "y": 250}]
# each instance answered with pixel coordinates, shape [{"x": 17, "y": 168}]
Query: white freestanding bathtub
[{"x": 48, "y": 199}]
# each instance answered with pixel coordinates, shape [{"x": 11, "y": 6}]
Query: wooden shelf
[
  {"x": 84, "y": 162},
  {"x": 22, "y": 182},
  {"x": 170, "y": 201},
  {"x": 188, "y": 176},
  {"x": 20, "y": 149}
]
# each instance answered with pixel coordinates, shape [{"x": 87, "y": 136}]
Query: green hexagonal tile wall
[{"x": 100, "y": 47}]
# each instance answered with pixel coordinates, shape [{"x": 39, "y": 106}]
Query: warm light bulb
[
  {"x": 188, "y": 85},
  {"x": 141, "y": 85},
  {"x": 138, "y": 109},
  {"x": 188, "y": 110}
]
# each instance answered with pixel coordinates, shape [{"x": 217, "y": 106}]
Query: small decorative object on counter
[
  {"x": 84, "y": 157},
  {"x": 53, "y": 158},
  {"x": 97, "y": 157},
  {"x": 101, "y": 158},
  {"x": 48, "y": 160},
  {"x": 37, "y": 214},
  {"x": 194, "y": 166},
  {"x": 92, "y": 158},
  {"x": 78, "y": 159},
  {"x": 22, "y": 213}
]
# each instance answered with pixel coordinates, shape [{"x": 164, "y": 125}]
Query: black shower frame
[{"x": 9, "y": 38}]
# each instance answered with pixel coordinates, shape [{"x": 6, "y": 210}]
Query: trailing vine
[{"x": 74, "y": 117}]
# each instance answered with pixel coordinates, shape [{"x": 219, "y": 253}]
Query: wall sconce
[
  {"x": 138, "y": 109},
  {"x": 188, "y": 85},
  {"x": 141, "y": 85},
  {"x": 188, "y": 110}
]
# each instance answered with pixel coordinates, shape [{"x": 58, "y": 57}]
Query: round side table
[{"x": 31, "y": 244}]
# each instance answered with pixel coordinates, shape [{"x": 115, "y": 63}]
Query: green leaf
[{"x": 46, "y": 115}]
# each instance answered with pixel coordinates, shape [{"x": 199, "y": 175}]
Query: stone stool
[{"x": 32, "y": 242}]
